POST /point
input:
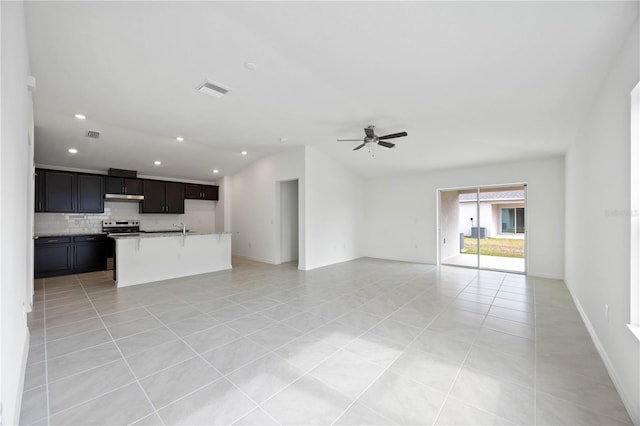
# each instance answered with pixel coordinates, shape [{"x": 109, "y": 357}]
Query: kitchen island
[{"x": 144, "y": 258}]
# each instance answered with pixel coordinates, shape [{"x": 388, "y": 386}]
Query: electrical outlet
[
  {"x": 249, "y": 245},
  {"x": 606, "y": 312}
]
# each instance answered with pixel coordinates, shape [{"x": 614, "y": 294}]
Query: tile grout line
[
  {"x": 464, "y": 361},
  {"x": 121, "y": 354},
  {"x": 198, "y": 354},
  {"x": 535, "y": 355},
  {"x": 46, "y": 360},
  {"x": 386, "y": 369}
]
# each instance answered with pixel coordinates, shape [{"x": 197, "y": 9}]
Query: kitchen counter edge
[{"x": 163, "y": 234}]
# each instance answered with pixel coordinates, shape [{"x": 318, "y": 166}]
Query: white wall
[
  {"x": 402, "y": 211},
  {"x": 223, "y": 207},
  {"x": 335, "y": 212},
  {"x": 597, "y": 259},
  {"x": 16, "y": 156},
  {"x": 289, "y": 221},
  {"x": 255, "y": 206}
]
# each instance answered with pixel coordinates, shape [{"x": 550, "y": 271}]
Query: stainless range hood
[
  {"x": 124, "y": 197},
  {"x": 120, "y": 180}
]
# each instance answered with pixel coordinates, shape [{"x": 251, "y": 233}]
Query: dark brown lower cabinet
[
  {"x": 53, "y": 256},
  {"x": 89, "y": 253},
  {"x": 69, "y": 255}
]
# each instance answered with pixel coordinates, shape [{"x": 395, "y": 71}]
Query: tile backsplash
[{"x": 198, "y": 216}]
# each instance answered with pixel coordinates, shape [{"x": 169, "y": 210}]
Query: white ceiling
[{"x": 471, "y": 82}]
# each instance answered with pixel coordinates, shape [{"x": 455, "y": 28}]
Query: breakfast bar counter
[{"x": 149, "y": 257}]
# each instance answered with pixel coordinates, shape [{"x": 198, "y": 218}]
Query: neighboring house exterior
[{"x": 502, "y": 214}]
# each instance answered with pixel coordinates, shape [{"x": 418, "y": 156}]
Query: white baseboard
[
  {"x": 257, "y": 259},
  {"x": 543, "y": 275},
  {"x": 626, "y": 400},
  {"x": 23, "y": 368}
]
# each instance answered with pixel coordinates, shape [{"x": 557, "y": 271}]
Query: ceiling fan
[{"x": 371, "y": 139}]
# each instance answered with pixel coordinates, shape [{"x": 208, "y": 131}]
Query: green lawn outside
[{"x": 502, "y": 247}]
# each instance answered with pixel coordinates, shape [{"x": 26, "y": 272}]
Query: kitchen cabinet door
[
  {"x": 90, "y": 194},
  {"x": 153, "y": 197},
  {"x": 118, "y": 185},
  {"x": 52, "y": 259},
  {"x": 133, "y": 186},
  {"x": 39, "y": 191},
  {"x": 60, "y": 191},
  {"x": 200, "y": 192},
  {"x": 174, "y": 197},
  {"x": 89, "y": 254},
  {"x": 192, "y": 191},
  {"x": 209, "y": 192}
]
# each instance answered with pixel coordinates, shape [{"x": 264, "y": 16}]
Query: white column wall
[
  {"x": 598, "y": 225},
  {"x": 16, "y": 174},
  {"x": 401, "y": 220},
  {"x": 255, "y": 206},
  {"x": 335, "y": 212}
]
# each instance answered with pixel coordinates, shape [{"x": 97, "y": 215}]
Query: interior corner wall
[
  {"x": 16, "y": 173},
  {"x": 402, "y": 211},
  {"x": 598, "y": 225},
  {"x": 223, "y": 205},
  {"x": 334, "y": 211},
  {"x": 255, "y": 206}
]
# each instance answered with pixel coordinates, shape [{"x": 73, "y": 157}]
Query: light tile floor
[{"x": 363, "y": 342}]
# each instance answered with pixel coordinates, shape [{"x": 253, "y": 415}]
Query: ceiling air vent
[
  {"x": 93, "y": 134},
  {"x": 212, "y": 88}
]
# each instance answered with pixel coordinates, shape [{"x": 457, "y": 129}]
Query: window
[{"x": 512, "y": 220}]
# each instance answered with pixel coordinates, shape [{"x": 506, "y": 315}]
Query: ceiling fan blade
[
  {"x": 358, "y": 147},
  {"x": 369, "y": 132},
  {"x": 386, "y": 144},
  {"x": 393, "y": 135},
  {"x": 349, "y": 140}
]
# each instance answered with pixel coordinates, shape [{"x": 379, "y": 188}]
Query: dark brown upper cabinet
[
  {"x": 60, "y": 191},
  {"x": 68, "y": 192},
  {"x": 39, "y": 190},
  {"x": 200, "y": 192},
  {"x": 90, "y": 193},
  {"x": 118, "y": 185},
  {"x": 162, "y": 197}
]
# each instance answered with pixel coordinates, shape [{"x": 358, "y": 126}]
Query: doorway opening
[
  {"x": 289, "y": 235},
  {"x": 484, "y": 227}
]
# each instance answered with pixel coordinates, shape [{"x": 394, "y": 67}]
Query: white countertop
[
  {"x": 66, "y": 234},
  {"x": 163, "y": 234}
]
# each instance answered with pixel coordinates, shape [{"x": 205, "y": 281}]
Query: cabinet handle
[
  {"x": 125, "y": 189},
  {"x": 52, "y": 241},
  {"x": 90, "y": 239}
]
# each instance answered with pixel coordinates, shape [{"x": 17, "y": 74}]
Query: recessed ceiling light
[
  {"x": 157, "y": 163},
  {"x": 73, "y": 151},
  {"x": 244, "y": 153},
  {"x": 179, "y": 138},
  {"x": 215, "y": 170},
  {"x": 283, "y": 140},
  {"x": 80, "y": 116},
  {"x": 251, "y": 66}
]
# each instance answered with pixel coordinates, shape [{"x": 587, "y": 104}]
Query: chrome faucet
[{"x": 182, "y": 226}]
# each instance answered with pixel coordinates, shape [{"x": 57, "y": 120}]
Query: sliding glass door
[{"x": 488, "y": 225}]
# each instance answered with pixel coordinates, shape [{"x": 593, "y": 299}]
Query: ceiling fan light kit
[{"x": 370, "y": 139}]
